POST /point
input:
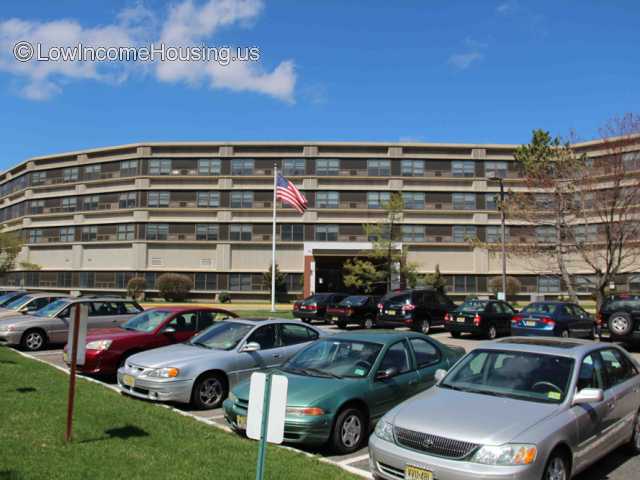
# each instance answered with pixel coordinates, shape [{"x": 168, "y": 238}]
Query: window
[
  {"x": 241, "y": 199},
  {"x": 591, "y": 373},
  {"x": 70, "y": 174},
  {"x": 64, "y": 279},
  {"x": 464, "y": 201},
  {"x": 160, "y": 166},
  {"x": 382, "y": 235},
  {"x": 463, "y": 168},
  {"x": 413, "y": 233},
  {"x": 157, "y": 231},
  {"x": 87, "y": 279},
  {"x": 327, "y": 199},
  {"x": 463, "y": 233},
  {"x": 494, "y": 234},
  {"x": 328, "y": 166},
  {"x": 631, "y": 161},
  {"x": 127, "y": 200},
  {"x": 378, "y": 199},
  {"x": 618, "y": 368},
  {"x": 128, "y": 168},
  {"x": 495, "y": 169},
  {"x": 292, "y": 167},
  {"x": 413, "y": 200},
  {"x": 294, "y": 282},
  {"x": 36, "y": 206},
  {"x": 206, "y": 281},
  {"x": 126, "y": 231},
  {"x": 464, "y": 283},
  {"x": 548, "y": 284},
  {"x": 67, "y": 234},
  {"x": 208, "y": 199},
  {"x": 89, "y": 234},
  {"x": 184, "y": 322},
  {"x": 545, "y": 234},
  {"x": 292, "y": 232},
  {"x": 35, "y": 236},
  {"x": 38, "y": 178},
  {"x": 242, "y": 232},
  {"x": 426, "y": 354},
  {"x": 242, "y": 166},
  {"x": 92, "y": 172},
  {"x": 91, "y": 202},
  {"x": 69, "y": 204},
  {"x": 396, "y": 357},
  {"x": 158, "y": 199},
  {"x": 586, "y": 233},
  {"x": 327, "y": 233},
  {"x": 122, "y": 280},
  {"x": 378, "y": 168},
  {"x": 412, "y": 168},
  {"x": 265, "y": 336},
  {"x": 206, "y": 231},
  {"x": 209, "y": 166},
  {"x": 544, "y": 201},
  {"x": 491, "y": 201},
  {"x": 291, "y": 334},
  {"x": 240, "y": 282}
]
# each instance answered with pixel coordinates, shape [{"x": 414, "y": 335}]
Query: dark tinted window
[
  {"x": 425, "y": 352},
  {"x": 184, "y": 322},
  {"x": 103, "y": 308},
  {"x": 396, "y": 298},
  {"x": 265, "y": 336},
  {"x": 396, "y": 357},
  {"x": 291, "y": 334},
  {"x": 545, "y": 308},
  {"x": 591, "y": 373},
  {"x": 617, "y": 367},
  {"x": 205, "y": 320}
]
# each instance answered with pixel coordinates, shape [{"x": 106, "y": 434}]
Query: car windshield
[
  {"x": 354, "y": 301},
  {"x": 52, "y": 309},
  {"x": 525, "y": 376},
  {"x": 473, "y": 306},
  {"x": 7, "y": 297},
  {"x": 335, "y": 358},
  {"x": 146, "y": 321},
  {"x": 544, "y": 308},
  {"x": 222, "y": 336},
  {"x": 18, "y": 302}
]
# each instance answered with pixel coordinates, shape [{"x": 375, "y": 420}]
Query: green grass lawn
[{"x": 118, "y": 437}]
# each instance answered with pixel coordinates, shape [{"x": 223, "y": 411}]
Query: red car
[{"x": 107, "y": 349}]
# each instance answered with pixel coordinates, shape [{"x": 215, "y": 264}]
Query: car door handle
[
  {"x": 276, "y": 355},
  {"x": 611, "y": 405}
]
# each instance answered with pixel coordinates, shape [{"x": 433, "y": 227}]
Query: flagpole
[{"x": 273, "y": 241}]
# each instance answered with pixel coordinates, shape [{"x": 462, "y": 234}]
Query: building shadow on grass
[
  {"x": 7, "y": 362},
  {"x": 9, "y": 475},
  {"x": 122, "y": 433}
]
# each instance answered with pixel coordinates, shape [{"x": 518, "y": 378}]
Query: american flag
[{"x": 289, "y": 194}]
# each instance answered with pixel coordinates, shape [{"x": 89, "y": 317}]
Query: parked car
[
  {"x": 315, "y": 306},
  {"x": 488, "y": 318},
  {"x": 360, "y": 309},
  {"x": 29, "y": 303},
  {"x": 201, "y": 370},
  {"x": 621, "y": 315},
  {"x": 420, "y": 309},
  {"x": 340, "y": 386},
  {"x": 536, "y": 408},
  {"x": 107, "y": 349},
  {"x": 8, "y": 297},
  {"x": 50, "y": 324},
  {"x": 554, "y": 318}
]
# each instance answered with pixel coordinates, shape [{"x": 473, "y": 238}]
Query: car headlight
[
  {"x": 99, "y": 345},
  {"x": 509, "y": 454},
  {"x": 384, "y": 430},
  {"x": 169, "y": 372},
  {"x": 305, "y": 411}
]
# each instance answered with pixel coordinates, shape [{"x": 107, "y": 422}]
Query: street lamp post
[{"x": 503, "y": 235}]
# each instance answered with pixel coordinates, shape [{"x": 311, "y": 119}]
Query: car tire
[
  {"x": 368, "y": 323},
  {"x": 33, "y": 340},
  {"x": 634, "y": 444},
  {"x": 341, "y": 325},
  {"x": 423, "y": 326},
  {"x": 455, "y": 334},
  {"x": 620, "y": 324},
  {"x": 349, "y": 431},
  {"x": 564, "y": 333},
  {"x": 492, "y": 332},
  {"x": 557, "y": 468},
  {"x": 209, "y": 391}
]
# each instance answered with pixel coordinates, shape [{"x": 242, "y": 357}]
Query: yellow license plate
[
  {"x": 391, "y": 312},
  {"x": 65, "y": 357},
  {"x": 530, "y": 324},
  {"x": 461, "y": 319},
  {"x": 241, "y": 421},
  {"x": 417, "y": 473},
  {"x": 128, "y": 380}
]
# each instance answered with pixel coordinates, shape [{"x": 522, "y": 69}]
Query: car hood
[
  {"x": 493, "y": 421},
  {"x": 14, "y": 318},
  {"x": 176, "y": 355},
  {"x": 114, "y": 334}
]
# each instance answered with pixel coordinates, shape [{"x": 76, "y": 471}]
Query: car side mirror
[
  {"x": 387, "y": 373},
  {"x": 169, "y": 330},
  {"x": 439, "y": 375},
  {"x": 588, "y": 395},
  {"x": 251, "y": 347}
]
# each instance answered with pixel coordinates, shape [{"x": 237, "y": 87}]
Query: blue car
[{"x": 554, "y": 319}]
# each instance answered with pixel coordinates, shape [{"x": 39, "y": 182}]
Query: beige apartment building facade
[{"x": 93, "y": 219}]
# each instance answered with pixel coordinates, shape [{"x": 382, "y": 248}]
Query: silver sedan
[
  {"x": 524, "y": 408},
  {"x": 202, "y": 370}
]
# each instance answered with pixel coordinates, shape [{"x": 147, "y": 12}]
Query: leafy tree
[
  {"x": 281, "y": 283},
  {"x": 513, "y": 286},
  {"x": 436, "y": 280},
  {"x": 10, "y": 246},
  {"x": 136, "y": 287},
  {"x": 174, "y": 287},
  {"x": 362, "y": 274}
]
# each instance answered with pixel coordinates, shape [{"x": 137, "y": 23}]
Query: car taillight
[
  {"x": 476, "y": 320},
  {"x": 598, "y": 318},
  {"x": 312, "y": 307},
  {"x": 447, "y": 318},
  {"x": 380, "y": 306},
  {"x": 548, "y": 321},
  {"x": 516, "y": 319},
  {"x": 409, "y": 307}
]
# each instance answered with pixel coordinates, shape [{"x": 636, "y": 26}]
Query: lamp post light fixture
[{"x": 503, "y": 235}]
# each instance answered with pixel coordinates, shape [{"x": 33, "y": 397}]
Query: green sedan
[{"x": 341, "y": 385}]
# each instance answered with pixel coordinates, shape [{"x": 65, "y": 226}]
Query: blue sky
[{"x": 434, "y": 71}]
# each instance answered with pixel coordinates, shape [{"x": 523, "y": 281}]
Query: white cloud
[
  {"x": 507, "y": 8},
  {"x": 464, "y": 60},
  {"x": 187, "y": 23}
]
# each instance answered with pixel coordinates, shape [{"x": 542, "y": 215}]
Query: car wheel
[
  {"x": 33, "y": 340},
  {"x": 341, "y": 324},
  {"x": 492, "y": 332},
  {"x": 634, "y": 445},
  {"x": 455, "y": 334},
  {"x": 349, "y": 431},
  {"x": 564, "y": 333},
  {"x": 209, "y": 392},
  {"x": 620, "y": 324},
  {"x": 368, "y": 323},
  {"x": 556, "y": 468},
  {"x": 424, "y": 326}
]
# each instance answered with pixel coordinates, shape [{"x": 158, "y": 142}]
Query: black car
[
  {"x": 360, "y": 309},
  {"x": 420, "y": 309},
  {"x": 621, "y": 315},
  {"x": 488, "y": 318},
  {"x": 315, "y": 306},
  {"x": 554, "y": 319},
  {"x": 9, "y": 296}
]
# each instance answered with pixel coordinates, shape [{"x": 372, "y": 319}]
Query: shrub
[
  {"x": 174, "y": 287},
  {"x": 136, "y": 287},
  {"x": 513, "y": 286},
  {"x": 224, "y": 297}
]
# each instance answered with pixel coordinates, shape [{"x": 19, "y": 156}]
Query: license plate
[
  {"x": 241, "y": 421},
  {"x": 65, "y": 357},
  {"x": 461, "y": 319},
  {"x": 128, "y": 380},
  {"x": 530, "y": 323},
  {"x": 417, "y": 473},
  {"x": 391, "y": 312},
  {"x": 335, "y": 319}
]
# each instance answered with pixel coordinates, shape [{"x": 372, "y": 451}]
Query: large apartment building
[{"x": 91, "y": 220}]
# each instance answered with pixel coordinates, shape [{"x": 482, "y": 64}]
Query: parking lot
[{"x": 616, "y": 466}]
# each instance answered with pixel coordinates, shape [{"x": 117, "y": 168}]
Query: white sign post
[
  {"x": 267, "y": 409},
  {"x": 76, "y": 349}
]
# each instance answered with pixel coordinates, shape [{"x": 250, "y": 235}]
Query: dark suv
[
  {"x": 315, "y": 306},
  {"x": 621, "y": 315},
  {"x": 420, "y": 309}
]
